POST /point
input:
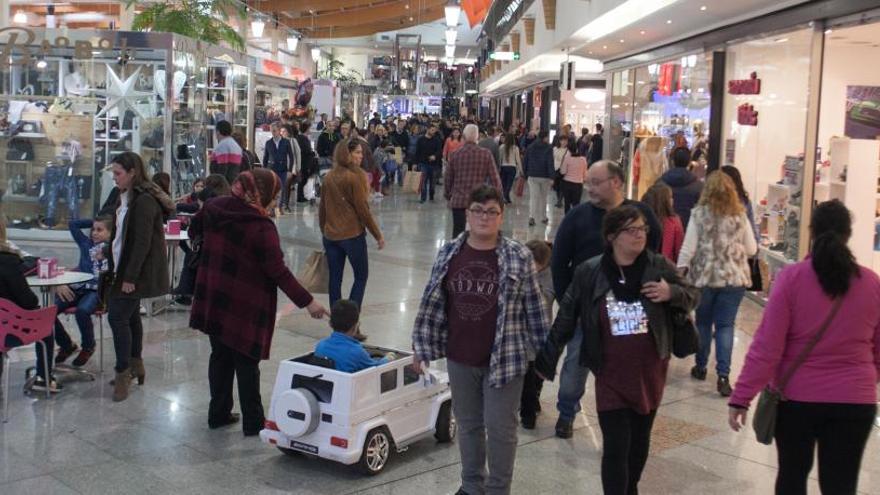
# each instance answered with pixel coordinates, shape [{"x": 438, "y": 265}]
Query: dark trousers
[
  {"x": 571, "y": 194},
  {"x": 282, "y": 179},
  {"x": 459, "y": 221},
  {"x": 42, "y": 369},
  {"x": 626, "y": 438},
  {"x": 529, "y": 404},
  {"x": 224, "y": 366},
  {"x": 301, "y": 187},
  {"x": 841, "y": 432},
  {"x": 124, "y": 316},
  {"x": 229, "y": 171},
  {"x": 355, "y": 249},
  {"x": 428, "y": 184},
  {"x": 508, "y": 175}
]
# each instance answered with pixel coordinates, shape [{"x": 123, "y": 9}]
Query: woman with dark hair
[
  {"x": 831, "y": 396},
  {"x": 511, "y": 164},
  {"x": 140, "y": 265},
  {"x": 163, "y": 180},
  {"x": 308, "y": 160},
  {"x": 659, "y": 198},
  {"x": 736, "y": 177},
  {"x": 344, "y": 216},
  {"x": 236, "y": 294},
  {"x": 622, "y": 301}
]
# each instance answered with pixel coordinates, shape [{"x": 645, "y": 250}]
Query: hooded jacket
[
  {"x": 241, "y": 269},
  {"x": 143, "y": 260},
  {"x": 686, "y": 190}
]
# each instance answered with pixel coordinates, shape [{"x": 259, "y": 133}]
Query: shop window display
[
  {"x": 764, "y": 136},
  {"x": 620, "y": 141}
]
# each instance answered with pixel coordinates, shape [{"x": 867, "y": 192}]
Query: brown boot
[
  {"x": 137, "y": 370},
  {"x": 120, "y": 385}
]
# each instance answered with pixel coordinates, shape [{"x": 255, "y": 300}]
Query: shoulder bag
[
  {"x": 764, "y": 421},
  {"x": 685, "y": 339}
]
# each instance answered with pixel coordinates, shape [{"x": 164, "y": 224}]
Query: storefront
[
  {"x": 798, "y": 114},
  {"x": 73, "y": 100}
]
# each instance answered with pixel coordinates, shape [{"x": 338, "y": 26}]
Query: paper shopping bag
[{"x": 315, "y": 274}]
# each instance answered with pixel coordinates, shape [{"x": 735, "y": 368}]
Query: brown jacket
[
  {"x": 344, "y": 210},
  {"x": 143, "y": 260}
]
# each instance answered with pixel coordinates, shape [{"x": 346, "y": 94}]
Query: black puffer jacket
[
  {"x": 580, "y": 307},
  {"x": 13, "y": 285}
]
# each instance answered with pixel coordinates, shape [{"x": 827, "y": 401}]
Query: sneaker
[
  {"x": 63, "y": 354},
  {"x": 83, "y": 357},
  {"x": 698, "y": 373},
  {"x": 143, "y": 310},
  {"x": 40, "y": 385},
  {"x": 531, "y": 222},
  {"x": 564, "y": 428},
  {"x": 724, "y": 386}
]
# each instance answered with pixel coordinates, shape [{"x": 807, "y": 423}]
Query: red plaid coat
[
  {"x": 469, "y": 167},
  {"x": 240, "y": 270}
]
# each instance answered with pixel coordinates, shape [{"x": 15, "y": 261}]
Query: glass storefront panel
[
  {"x": 764, "y": 132},
  {"x": 620, "y": 120}
]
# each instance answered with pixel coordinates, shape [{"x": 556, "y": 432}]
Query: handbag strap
[{"x": 810, "y": 346}]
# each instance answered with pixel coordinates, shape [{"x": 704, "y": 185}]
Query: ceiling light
[
  {"x": 42, "y": 64},
  {"x": 450, "y": 50},
  {"x": 782, "y": 40},
  {"x": 406, "y": 6},
  {"x": 292, "y": 43},
  {"x": 622, "y": 41},
  {"x": 410, "y": 19},
  {"x": 703, "y": 8},
  {"x": 604, "y": 47},
  {"x": 453, "y": 12},
  {"x": 257, "y": 27},
  {"x": 470, "y": 91},
  {"x": 669, "y": 21},
  {"x": 625, "y": 14},
  {"x": 828, "y": 31},
  {"x": 20, "y": 17},
  {"x": 316, "y": 53},
  {"x": 451, "y": 35},
  {"x": 590, "y": 95},
  {"x": 642, "y": 33}
]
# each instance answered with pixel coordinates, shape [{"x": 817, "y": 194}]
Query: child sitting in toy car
[{"x": 341, "y": 346}]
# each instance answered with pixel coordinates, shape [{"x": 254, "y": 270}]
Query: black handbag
[
  {"x": 685, "y": 338},
  {"x": 755, "y": 270}
]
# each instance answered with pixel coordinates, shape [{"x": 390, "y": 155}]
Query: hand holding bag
[
  {"x": 764, "y": 421},
  {"x": 315, "y": 274}
]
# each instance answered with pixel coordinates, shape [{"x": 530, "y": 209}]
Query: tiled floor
[{"x": 158, "y": 442}]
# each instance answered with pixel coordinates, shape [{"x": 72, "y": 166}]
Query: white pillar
[{"x": 5, "y": 15}]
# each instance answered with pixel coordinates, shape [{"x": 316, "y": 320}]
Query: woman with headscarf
[{"x": 236, "y": 297}]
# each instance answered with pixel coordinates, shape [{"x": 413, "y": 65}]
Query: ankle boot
[
  {"x": 137, "y": 370},
  {"x": 120, "y": 385}
]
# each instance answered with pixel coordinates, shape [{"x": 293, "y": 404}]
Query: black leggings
[
  {"x": 124, "y": 316},
  {"x": 626, "y": 438},
  {"x": 841, "y": 432},
  {"x": 531, "y": 394},
  {"x": 571, "y": 194}
]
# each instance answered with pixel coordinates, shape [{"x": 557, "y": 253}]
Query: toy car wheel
[
  {"x": 445, "y": 429},
  {"x": 377, "y": 451}
]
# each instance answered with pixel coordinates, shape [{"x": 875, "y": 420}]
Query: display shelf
[
  {"x": 20, "y": 161},
  {"x": 29, "y": 135}
]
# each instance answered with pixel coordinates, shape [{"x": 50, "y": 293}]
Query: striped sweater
[{"x": 227, "y": 152}]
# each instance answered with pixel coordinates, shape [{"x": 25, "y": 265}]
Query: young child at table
[
  {"x": 530, "y": 400},
  {"x": 341, "y": 346},
  {"x": 83, "y": 296}
]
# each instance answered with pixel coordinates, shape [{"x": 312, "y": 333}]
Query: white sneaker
[{"x": 143, "y": 310}]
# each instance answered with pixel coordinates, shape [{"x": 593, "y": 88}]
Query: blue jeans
[
  {"x": 427, "y": 181},
  {"x": 391, "y": 168},
  {"x": 86, "y": 302},
  {"x": 718, "y": 307},
  {"x": 282, "y": 177},
  {"x": 356, "y": 251},
  {"x": 508, "y": 175},
  {"x": 572, "y": 379},
  {"x": 59, "y": 182}
]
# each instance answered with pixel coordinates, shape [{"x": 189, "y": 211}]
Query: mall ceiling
[{"x": 328, "y": 19}]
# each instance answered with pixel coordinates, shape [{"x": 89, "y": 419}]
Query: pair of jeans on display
[{"x": 59, "y": 182}]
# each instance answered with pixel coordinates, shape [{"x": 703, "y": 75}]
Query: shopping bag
[
  {"x": 315, "y": 274},
  {"x": 310, "y": 190},
  {"x": 520, "y": 186},
  {"x": 412, "y": 182}
]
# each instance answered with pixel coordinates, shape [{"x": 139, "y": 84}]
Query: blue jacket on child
[
  {"x": 347, "y": 353},
  {"x": 87, "y": 251}
]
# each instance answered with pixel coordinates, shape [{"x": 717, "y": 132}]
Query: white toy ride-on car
[{"x": 357, "y": 418}]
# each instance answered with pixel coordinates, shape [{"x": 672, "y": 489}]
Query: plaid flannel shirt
[
  {"x": 469, "y": 167},
  {"x": 522, "y": 325}
]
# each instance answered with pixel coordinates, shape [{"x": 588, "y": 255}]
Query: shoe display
[
  {"x": 83, "y": 357},
  {"x": 564, "y": 428},
  {"x": 724, "y": 386},
  {"x": 64, "y": 354},
  {"x": 698, "y": 373}
]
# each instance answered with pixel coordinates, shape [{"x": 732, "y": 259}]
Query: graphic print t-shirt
[{"x": 471, "y": 286}]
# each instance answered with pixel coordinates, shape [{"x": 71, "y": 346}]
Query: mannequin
[
  {"x": 75, "y": 83},
  {"x": 652, "y": 161}
]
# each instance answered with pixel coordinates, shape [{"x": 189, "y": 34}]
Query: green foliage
[
  {"x": 336, "y": 71},
  {"x": 206, "y": 20}
]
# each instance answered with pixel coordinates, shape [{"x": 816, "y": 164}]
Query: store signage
[
  {"x": 750, "y": 86},
  {"x": 746, "y": 115},
  {"x": 21, "y": 41},
  {"x": 504, "y": 56}
]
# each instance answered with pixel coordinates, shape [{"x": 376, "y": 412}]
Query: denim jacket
[{"x": 522, "y": 323}]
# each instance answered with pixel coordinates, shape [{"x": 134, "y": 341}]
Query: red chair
[
  {"x": 99, "y": 315},
  {"x": 29, "y": 327}
]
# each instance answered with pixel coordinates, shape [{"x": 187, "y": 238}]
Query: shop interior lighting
[
  {"x": 589, "y": 95},
  {"x": 625, "y": 14},
  {"x": 669, "y": 21},
  {"x": 316, "y": 53},
  {"x": 453, "y": 12},
  {"x": 451, "y": 35},
  {"x": 42, "y": 64},
  {"x": 470, "y": 91},
  {"x": 292, "y": 43},
  {"x": 703, "y": 8},
  {"x": 257, "y": 26},
  {"x": 20, "y": 17},
  {"x": 450, "y": 51}
]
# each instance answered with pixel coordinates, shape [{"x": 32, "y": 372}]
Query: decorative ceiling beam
[
  {"x": 365, "y": 15},
  {"x": 305, "y": 6},
  {"x": 549, "y": 14},
  {"x": 529, "y": 25},
  {"x": 390, "y": 24}
]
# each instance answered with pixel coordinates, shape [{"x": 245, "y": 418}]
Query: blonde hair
[{"x": 720, "y": 196}]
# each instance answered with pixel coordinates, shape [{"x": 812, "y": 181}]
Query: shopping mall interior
[{"x": 781, "y": 92}]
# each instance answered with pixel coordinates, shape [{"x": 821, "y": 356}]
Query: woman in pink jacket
[{"x": 831, "y": 399}]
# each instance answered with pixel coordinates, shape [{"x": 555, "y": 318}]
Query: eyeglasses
[
  {"x": 633, "y": 231},
  {"x": 479, "y": 212},
  {"x": 597, "y": 183}
]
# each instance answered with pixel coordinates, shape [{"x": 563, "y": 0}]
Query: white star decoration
[{"x": 122, "y": 95}]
